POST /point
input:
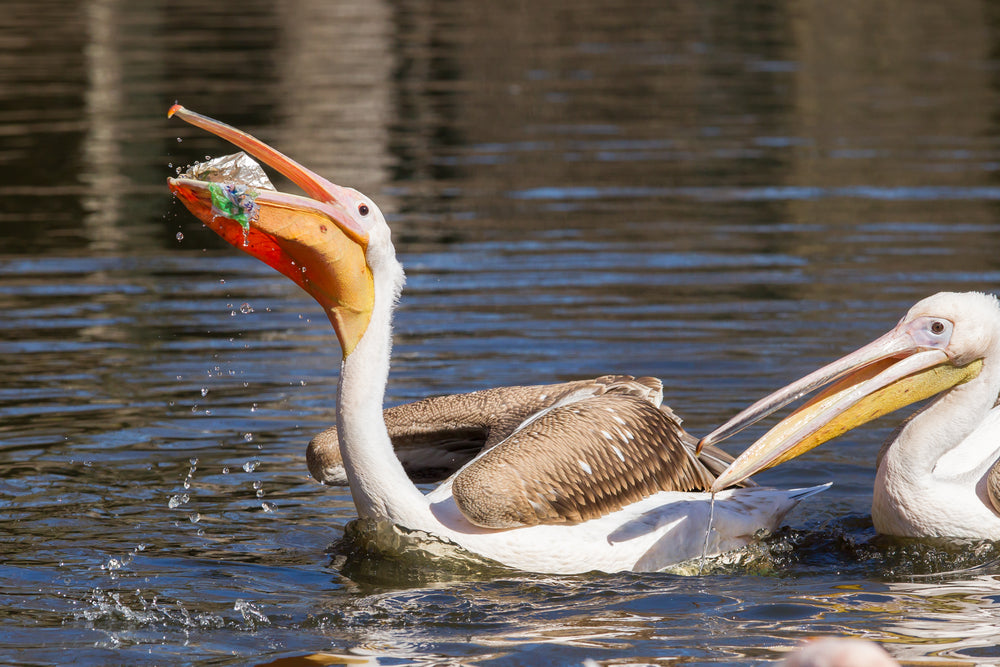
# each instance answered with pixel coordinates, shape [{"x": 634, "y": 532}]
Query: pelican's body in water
[
  {"x": 938, "y": 475},
  {"x": 593, "y": 475}
]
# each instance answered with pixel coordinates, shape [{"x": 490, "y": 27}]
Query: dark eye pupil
[
  {"x": 937, "y": 327},
  {"x": 363, "y": 209}
]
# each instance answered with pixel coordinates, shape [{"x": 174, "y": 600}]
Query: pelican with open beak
[
  {"x": 938, "y": 476},
  {"x": 572, "y": 477}
]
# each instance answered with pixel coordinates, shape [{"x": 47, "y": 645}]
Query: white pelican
[
  {"x": 601, "y": 479},
  {"x": 938, "y": 475}
]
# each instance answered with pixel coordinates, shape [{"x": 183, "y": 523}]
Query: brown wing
[
  {"x": 993, "y": 486},
  {"x": 427, "y": 455},
  {"x": 580, "y": 461},
  {"x": 436, "y": 436}
]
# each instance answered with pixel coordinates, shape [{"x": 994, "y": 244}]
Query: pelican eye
[
  {"x": 363, "y": 209},
  {"x": 932, "y": 332}
]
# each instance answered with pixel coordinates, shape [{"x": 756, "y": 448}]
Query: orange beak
[
  {"x": 889, "y": 373},
  {"x": 313, "y": 240}
]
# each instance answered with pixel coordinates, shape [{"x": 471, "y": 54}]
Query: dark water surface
[{"x": 721, "y": 194}]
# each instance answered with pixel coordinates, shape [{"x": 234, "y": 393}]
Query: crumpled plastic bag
[{"x": 238, "y": 168}]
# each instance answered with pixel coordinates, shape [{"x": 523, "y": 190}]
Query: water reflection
[{"x": 953, "y": 619}]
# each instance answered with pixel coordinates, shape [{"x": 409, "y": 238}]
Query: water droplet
[
  {"x": 194, "y": 517},
  {"x": 246, "y": 308},
  {"x": 180, "y": 236},
  {"x": 225, "y": 470},
  {"x": 204, "y": 391},
  {"x": 187, "y": 483},
  {"x": 250, "y": 466},
  {"x": 248, "y": 437},
  {"x": 268, "y": 507},
  {"x": 178, "y": 500},
  {"x": 257, "y": 484},
  {"x": 252, "y": 615},
  {"x": 179, "y": 140},
  {"x": 193, "y": 461}
]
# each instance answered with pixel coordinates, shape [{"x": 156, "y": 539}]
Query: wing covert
[
  {"x": 577, "y": 462},
  {"x": 436, "y": 436}
]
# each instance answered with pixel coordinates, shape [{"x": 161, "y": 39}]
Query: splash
[
  {"x": 253, "y": 616},
  {"x": 118, "y": 611}
]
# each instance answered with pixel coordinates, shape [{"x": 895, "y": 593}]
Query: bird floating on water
[
  {"x": 937, "y": 475},
  {"x": 592, "y": 475}
]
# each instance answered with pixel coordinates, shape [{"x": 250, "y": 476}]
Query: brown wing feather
[
  {"x": 993, "y": 485},
  {"x": 436, "y": 436},
  {"x": 577, "y": 462}
]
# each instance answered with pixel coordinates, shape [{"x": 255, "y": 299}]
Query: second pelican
[{"x": 938, "y": 475}]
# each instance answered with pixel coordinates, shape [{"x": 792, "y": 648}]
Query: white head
[
  {"x": 943, "y": 341},
  {"x": 332, "y": 243}
]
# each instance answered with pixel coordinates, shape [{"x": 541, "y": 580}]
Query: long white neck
[
  {"x": 379, "y": 485},
  {"x": 933, "y": 453},
  {"x": 943, "y": 425}
]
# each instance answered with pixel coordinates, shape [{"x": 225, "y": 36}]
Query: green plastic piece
[{"x": 234, "y": 204}]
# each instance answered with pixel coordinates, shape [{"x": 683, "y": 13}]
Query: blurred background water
[{"x": 722, "y": 194}]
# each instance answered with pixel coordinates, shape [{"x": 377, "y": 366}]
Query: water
[{"x": 724, "y": 195}]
